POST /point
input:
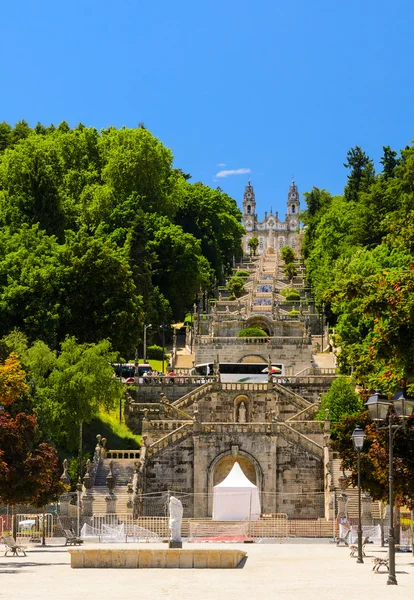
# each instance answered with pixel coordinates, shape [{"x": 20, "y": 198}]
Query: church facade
[{"x": 272, "y": 232}]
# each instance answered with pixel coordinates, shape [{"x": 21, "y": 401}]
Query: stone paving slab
[{"x": 312, "y": 571}]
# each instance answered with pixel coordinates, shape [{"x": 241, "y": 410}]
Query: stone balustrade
[
  {"x": 250, "y": 387},
  {"x": 270, "y": 341},
  {"x": 169, "y": 380},
  {"x": 121, "y": 454}
]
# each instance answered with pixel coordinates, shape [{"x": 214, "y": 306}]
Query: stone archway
[
  {"x": 253, "y": 358},
  {"x": 221, "y": 466},
  {"x": 261, "y": 322}
]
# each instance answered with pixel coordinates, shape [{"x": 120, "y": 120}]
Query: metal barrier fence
[{"x": 32, "y": 526}]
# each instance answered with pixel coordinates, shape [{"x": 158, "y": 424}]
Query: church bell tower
[
  {"x": 249, "y": 207},
  {"x": 293, "y": 206}
]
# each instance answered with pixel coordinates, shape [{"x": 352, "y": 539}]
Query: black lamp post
[
  {"x": 358, "y": 437},
  {"x": 382, "y": 409}
]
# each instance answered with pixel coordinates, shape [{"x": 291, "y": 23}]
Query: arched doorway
[
  {"x": 261, "y": 323},
  {"x": 222, "y": 465},
  {"x": 225, "y": 465}
]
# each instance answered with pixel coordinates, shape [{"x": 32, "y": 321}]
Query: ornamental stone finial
[{"x": 64, "y": 478}]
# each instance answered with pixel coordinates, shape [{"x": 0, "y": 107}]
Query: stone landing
[{"x": 154, "y": 558}]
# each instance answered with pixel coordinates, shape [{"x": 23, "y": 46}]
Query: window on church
[
  {"x": 293, "y": 209},
  {"x": 249, "y": 209}
]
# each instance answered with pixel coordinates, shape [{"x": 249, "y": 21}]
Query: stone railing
[
  {"x": 309, "y": 409},
  {"x": 170, "y": 438},
  {"x": 252, "y": 387},
  {"x": 269, "y": 341},
  {"x": 235, "y": 427},
  {"x": 122, "y": 454},
  {"x": 300, "y": 439},
  {"x": 194, "y": 395},
  {"x": 306, "y": 427},
  {"x": 311, "y": 379},
  {"x": 317, "y": 371},
  {"x": 177, "y": 380},
  {"x": 165, "y": 426},
  {"x": 295, "y": 399}
]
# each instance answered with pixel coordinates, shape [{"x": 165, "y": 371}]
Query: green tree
[
  {"x": 71, "y": 386},
  {"x": 236, "y": 286},
  {"x": 253, "y": 244},
  {"x": 361, "y": 175},
  {"x": 179, "y": 269},
  {"x": 28, "y": 465},
  {"x": 374, "y": 458},
  {"x": 287, "y": 254},
  {"x": 389, "y": 161},
  {"x": 290, "y": 271},
  {"x": 213, "y": 218},
  {"x": 340, "y": 400}
]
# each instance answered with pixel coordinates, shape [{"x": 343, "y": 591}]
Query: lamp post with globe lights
[{"x": 382, "y": 409}]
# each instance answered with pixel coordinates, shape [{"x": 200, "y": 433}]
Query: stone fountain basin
[{"x": 116, "y": 557}]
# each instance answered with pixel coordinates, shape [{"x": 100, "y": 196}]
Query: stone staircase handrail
[
  {"x": 297, "y": 400},
  {"x": 170, "y": 438},
  {"x": 315, "y": 406},
  {"x": 303, "y": 440},
  {"x": 195, "y": 394},
  {"x": 316, "y": 371}
]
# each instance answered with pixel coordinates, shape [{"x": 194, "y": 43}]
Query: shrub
[
  {"x": 288, "y": 290},
  {"x": 294, "y": 295},
  {"x": 232, "y": 297},
  {"x": 236, "y": 286},
  {"x": 155, "y": 352},
  {"x": 242, "y": 274},
  {"x": 293, "y": 313},
  {"x": 252, "y": 332},
  {"x": 287, "y": 254}
]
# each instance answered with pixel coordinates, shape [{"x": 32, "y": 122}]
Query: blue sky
[{"x": 269, "y": 87}]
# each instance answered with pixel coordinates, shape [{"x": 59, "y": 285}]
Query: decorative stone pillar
[
  {"x": 366, "y": 517},
  {"x": 110, "y": 498},
  {"x": 87, "y": 496},
  {"x": 65, "y": 498}
]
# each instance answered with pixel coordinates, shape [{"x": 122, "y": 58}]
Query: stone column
[
  {"x": 327, "y": 468},
  {"x": 65, "y": 498},
  {"x": 110, "y": 498},
  {"x": 200, "y": 477},
  {"x": 366, "y": 502},
  {"x": 87, "y": 495}
]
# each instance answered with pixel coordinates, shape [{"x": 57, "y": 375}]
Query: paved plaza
[{"x": 311, "y": 570}]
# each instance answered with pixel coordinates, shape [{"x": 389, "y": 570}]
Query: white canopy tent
[{"x": 236, "y": 498}]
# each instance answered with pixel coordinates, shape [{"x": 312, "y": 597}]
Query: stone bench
[{"x": 155, "y": 558}]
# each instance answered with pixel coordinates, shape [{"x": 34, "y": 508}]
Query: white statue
[
  {"x": 242, "y": 412},
  {"x": 176, "y": 517}
]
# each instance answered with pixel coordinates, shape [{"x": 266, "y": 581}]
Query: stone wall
[
  {"x": 286, "y": 474},
  {"x": 295, "y": 357}
]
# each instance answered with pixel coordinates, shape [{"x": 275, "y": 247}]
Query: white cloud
[
  {"x": 221, "y": 165},
  {"x": 233, "y": 172}
]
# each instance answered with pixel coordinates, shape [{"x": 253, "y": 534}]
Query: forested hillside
[
  {"x": 359, "y": 251},
  {"x": 99, "y": 233}
]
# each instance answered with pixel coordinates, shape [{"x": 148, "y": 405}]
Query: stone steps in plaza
[
  {"x": 121, "y": 500},
  {"x": 123, "y": 471}
]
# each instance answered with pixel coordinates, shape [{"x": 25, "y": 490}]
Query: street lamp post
[
  {"x": 382, "y": 409},
  {"x": 145, "y": 340},
  {"x": 358, "y": 437}
]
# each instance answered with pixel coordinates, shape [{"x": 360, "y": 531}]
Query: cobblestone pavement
[{"x": 318, "y": 570}]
